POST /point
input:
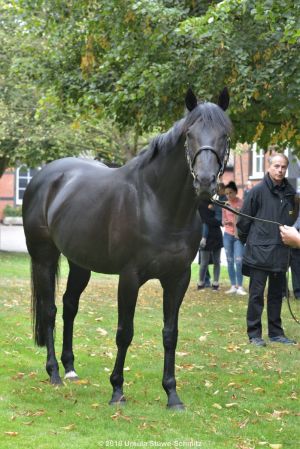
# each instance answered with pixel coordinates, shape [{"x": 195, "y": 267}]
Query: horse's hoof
[
  {"x": 72, "y": 376},
  {"x": 180, "y": 406},
  {"x": 117, "y": 400},
  {"x": 56, "y": 381}
]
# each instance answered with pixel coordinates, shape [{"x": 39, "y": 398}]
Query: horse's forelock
[{"x": 211, "y": 115}]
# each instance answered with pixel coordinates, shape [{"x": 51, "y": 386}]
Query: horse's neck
[{"x": 171, "y": 181}]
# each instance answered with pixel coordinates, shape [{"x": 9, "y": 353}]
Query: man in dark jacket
[{"x": 265, "y": 255}]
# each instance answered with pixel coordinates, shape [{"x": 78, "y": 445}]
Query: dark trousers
[
  {"x": 295, "y": 269},
  {"x": 258, "y": 279}
]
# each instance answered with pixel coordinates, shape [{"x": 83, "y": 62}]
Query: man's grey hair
[{"x": 273, "y": 155}]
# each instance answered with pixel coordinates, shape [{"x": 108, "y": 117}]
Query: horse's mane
[{"x": 209, "y": 113}]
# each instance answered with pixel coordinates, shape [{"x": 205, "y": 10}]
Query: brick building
[{"x": 247, "y": 163}]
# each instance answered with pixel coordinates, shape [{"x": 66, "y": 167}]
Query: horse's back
[{"x": 82, "y": 208}]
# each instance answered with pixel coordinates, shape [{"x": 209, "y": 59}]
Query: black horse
[{"x": 139, "y": 220}]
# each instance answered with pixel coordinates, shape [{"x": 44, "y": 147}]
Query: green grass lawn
[{"x": 236, "y": 395}]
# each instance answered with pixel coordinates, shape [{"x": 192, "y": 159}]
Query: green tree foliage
[
  {"x": 253, "y": 48},
  {"x": 90, "y": 75}
]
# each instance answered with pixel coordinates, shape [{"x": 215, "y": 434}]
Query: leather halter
[{"x": 191, "y": 160}]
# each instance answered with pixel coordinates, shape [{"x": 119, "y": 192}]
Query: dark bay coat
[{"x": 264, "y": 248}]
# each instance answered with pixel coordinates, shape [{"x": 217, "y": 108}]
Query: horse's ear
[
  {"x": 223, "y": 101},
  {"x": 190, "y": 100}
]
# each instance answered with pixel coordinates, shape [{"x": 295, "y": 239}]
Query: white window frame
[
  {"x": 258, "y": 155},
  {"x": 28, "y": 175}
]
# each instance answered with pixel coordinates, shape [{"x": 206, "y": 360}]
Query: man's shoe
[
  {"x": 215, "y": 287},
  {"x": 257, "y": 341},
  {"x": 283, "y": 339},
  {"x": 200, "y": 287}
]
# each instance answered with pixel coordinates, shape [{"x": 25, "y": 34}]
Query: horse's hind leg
[
  {"x": 77, "y": 282},
  {"x": 44, "y": 270},
  {"x": 127, "y": 296},
  {"x": 174, "y": 290}
]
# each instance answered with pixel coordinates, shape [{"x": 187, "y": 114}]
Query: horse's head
[{"x": 207, "y": 141}]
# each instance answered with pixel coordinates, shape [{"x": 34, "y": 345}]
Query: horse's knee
[
  {"x": 170, "y": 339},
  {"x": 124, "y": 337}
]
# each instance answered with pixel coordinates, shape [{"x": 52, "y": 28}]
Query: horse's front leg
[
  {"x": 174, "y": 290},
  {"x": 127, "y": 296},
  {"x": 77, "y": 281}
]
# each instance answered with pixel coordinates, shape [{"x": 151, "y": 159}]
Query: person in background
[
  {"x": 221, "y": 194},
  {"x": 204, "y": 235},
  {"x": 247, "y": 189},
  {"x": 266, "y": 258},
  {"x": 234, "y": 248},
  {"x": 210, "y": 244}
]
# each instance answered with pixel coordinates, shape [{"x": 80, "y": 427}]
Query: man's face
[{"x": 277, "y": 169}]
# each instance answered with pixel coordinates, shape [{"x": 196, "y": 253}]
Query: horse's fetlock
[
  {"x": 116, "y": 380},
  {"x": 169, "y": 384}
]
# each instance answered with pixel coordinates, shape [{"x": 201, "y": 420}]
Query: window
[
  {"x": 23, "y": 176},
  {"x": 258, "y": 158}
]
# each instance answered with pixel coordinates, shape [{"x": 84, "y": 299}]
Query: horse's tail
[{"x": 44, "y": 278}]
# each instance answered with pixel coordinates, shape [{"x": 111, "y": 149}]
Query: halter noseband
[{"x": 191, "y": 161}]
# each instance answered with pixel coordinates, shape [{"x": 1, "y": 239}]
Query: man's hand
[
  {"x": 290, "y": 236},
  {"x": 203, "y": 243}
]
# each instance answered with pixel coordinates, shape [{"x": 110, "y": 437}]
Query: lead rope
[{"x": 224, "y": 205}]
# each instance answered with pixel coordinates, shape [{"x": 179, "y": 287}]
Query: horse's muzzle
[{"x": 205, "y": 186}]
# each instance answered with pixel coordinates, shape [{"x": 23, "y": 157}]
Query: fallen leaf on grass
[
  {"x": 69, "y": 427},
  {"x": 11, "y": 434},
  {"x": 259, "y": 390},
  {"x": 37, "y": 413},
  {"x": 81, "y": 382},
  {"x": 203, "y": 338},
  {"x": 293, "y": 396},
  {"x": 231, "y": 404},
  {"x": 102, "y": 331},
  {"x": 278, "y": 414},
  {"x": 119, "y": 415},
  {"x": 145, "y": 426},
  {"x": 275, "y": 446},
  {"x": 218, "y": 406},
  {"x": 243, "y": 423}
]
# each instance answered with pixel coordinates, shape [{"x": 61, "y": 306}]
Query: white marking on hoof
[{"x": 71, "y": 375}]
